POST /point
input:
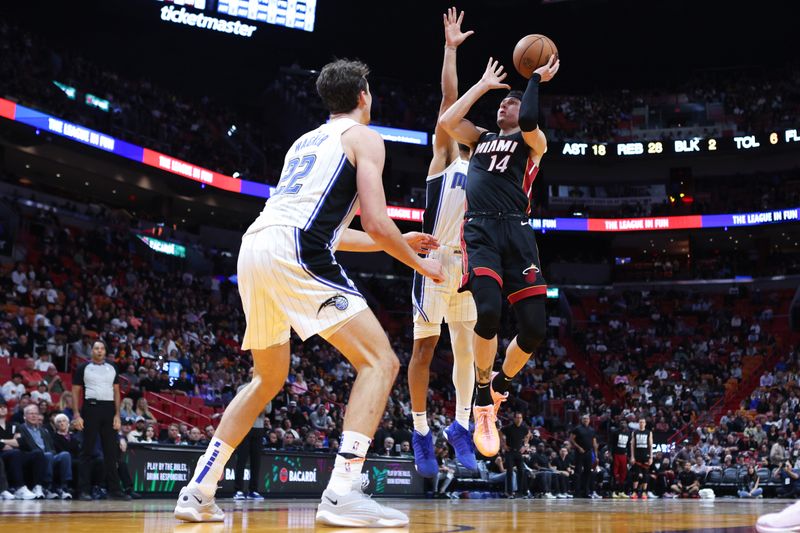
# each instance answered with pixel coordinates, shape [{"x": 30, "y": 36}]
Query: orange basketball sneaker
[{"x": 485, "y": 436}]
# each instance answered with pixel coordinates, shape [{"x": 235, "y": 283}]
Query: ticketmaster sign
[{"x": 198, "y": 20}]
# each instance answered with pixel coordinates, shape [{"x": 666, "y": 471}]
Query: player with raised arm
[
  {"x": 444, "y": 213},
  {"x": 500, "y": 253},
  {"x": 289, "y": 279}
]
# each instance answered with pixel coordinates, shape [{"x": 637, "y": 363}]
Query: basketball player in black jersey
[
  {"x": 641, "y": 459},
  {"x": 621, "y": 439},
  {"x": 499, "y": 248}
]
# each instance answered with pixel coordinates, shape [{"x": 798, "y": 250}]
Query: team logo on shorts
[
  {"x": 339, "y": 302},
  {"x": 530, "y": 273}
]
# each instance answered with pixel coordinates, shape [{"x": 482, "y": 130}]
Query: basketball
[{"x": 531, "y": 52}]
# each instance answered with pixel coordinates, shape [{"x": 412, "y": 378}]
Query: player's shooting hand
[
  {"x": 548, "y": 70},
  {"x": 422, "y": 243},
  {"x": 453, "y": 36},
  {"x": 493, "y": 76},
  {"x": 431, "y": 268}
]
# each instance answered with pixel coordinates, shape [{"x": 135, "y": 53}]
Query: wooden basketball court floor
[{"x": 427, "y": 516}]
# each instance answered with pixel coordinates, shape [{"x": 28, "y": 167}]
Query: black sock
[
  {"x": 484, "y": 396},
  {"x": 501, "y": 382}
]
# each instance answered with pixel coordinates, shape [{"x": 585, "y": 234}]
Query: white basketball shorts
[
  {"x": 434, "y": 302},
  {"x": 287, "y": 280}
]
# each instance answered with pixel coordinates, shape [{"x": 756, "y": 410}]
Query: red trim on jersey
[
  {"x": 527, "y": 183},
  {"x": 485, "y": 271},
  {"x": 464, "y": 258},
  {"x": 527, "y": 292}
]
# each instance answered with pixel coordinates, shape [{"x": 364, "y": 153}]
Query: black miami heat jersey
[
  {"x": 501, "y": 174},
  {"x": 641, "y": 445}
]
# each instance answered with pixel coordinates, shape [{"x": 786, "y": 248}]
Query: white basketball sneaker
[
  {"x": 193, "y": 506},
  {"x": 784, "y": 521},
  {"x": 356, "y": 509}
]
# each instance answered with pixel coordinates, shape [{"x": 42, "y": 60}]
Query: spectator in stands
[
  {"x": 312, "y": 442},
  {"x": 195, "y": 437},
  {"x": 209, "y": 432},
  {"x": 30, "y": 376},
  {"x": 126, "y": 410},
  {"x": 789, "y": 481},
  {"x": 137, "y": 433},
  {"x": 33, "y": 436},
  {"x": 686, "y": 484},
  {"x": 320, "y": 419},
  {"x": 150, "y": 383},
  {"x": 65, "y": 405},
  {"x": 289, "y": 442},
  {"x": 54, "y": 383},
  {"x": 41, "y": 394},
  {"x": 273, "y": 443},
  {"x": 749, "y": 484},
  {"x": 149, "y": 434},
  {"x": 777, "y": 454},
  {"x": 385, "y": 430},
  {"x": 143, "y": 410},
  {"x": 16, "y": 462},
  {"x": 542, "y": 472},
  {"x": 388, "y": 448},
  {"x": 661, "y": 475},
  {"x": 13, "y": 389},
  {"x": 43, "y": 364},
  {"x": 405, "y": 449},
  {"x": 565, "y": 470},
  {"x": 66, "y": 441},
  {"x": 174, "y": 436}
]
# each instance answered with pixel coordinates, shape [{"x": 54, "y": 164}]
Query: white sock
[
  {"x": 210, "y": 467},
  {"x": 349, "y": 462},
  {"x": 462, "y": 415},
  {"x": 420, "y": 422}
]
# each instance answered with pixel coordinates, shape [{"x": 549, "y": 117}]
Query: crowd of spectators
[
  {"x": 223, "y": 136},
  {"x": 202, "y": 131},
  {"x": 667, "y": 356}
]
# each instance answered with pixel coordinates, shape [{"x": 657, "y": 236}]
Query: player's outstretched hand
[
  {"x": 493, "y": 76},
  {"x": 549, "y": 69},
  {"x": 453, "y": 36},
  {"x": 431, "y": 268},
  {"x": 422, "y": 243}
]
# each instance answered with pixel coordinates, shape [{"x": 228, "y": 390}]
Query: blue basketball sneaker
[
  {"x": 461, "y": 441},
  {"x": 424, "y": 456}
]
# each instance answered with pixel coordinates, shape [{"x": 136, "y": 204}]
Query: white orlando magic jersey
[
  {"x": 445, "y": 203},
  {"x": 317, "y": 191}
]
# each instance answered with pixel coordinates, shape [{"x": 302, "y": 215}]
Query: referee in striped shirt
[{"x": 96, "y": 385}]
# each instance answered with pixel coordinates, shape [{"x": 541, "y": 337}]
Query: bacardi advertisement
[{"x": 163, "y": 470}]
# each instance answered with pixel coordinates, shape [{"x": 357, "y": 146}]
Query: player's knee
[
  {"x": 532, "y": 323},
  {"x": 261, "y": 387},
  {"x": 531, "y": 336},
  {"x": 422, "y": 354},
  {"x": 387, "y": 365},
  {"x": 488, "y": 322}
]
